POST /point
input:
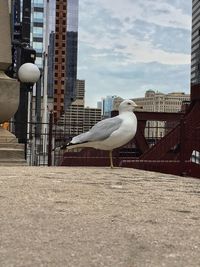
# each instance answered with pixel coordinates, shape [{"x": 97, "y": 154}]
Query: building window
[
  {"x": 38, "y": 3},
  {"x": 38, "y": 30},
  {"x": 38, "y": 16}
]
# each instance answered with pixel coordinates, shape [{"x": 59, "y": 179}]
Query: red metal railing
[
  {"x": 171, "y": 153},
  {"x": 175, "y": 151}
]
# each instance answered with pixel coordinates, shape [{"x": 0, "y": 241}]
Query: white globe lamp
[{"x": 29, "y": 73}]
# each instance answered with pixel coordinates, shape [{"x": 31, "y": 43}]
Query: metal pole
[
  {"x": 45, "y": 98},
  {"x": 50, "y": 138},
  {"x": 38, "y": 109}
]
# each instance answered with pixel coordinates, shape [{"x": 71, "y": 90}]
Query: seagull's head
[{"x": 127, "y": 105}]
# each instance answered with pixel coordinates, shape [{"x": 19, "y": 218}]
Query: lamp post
[
  {"x": 28, "y": 74},
  {"x": 23, "y": 54}
]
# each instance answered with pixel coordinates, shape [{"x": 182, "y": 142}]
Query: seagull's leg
[{"x": 111, "y": 159}]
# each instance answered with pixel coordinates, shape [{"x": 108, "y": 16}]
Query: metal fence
[
  {"x": 43, "y": 138},
  {"x": 159, "y": 145},
  {"x": 40, "y": 141}
]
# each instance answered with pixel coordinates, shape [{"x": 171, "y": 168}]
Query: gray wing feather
[{"x": 99, "y": 131}]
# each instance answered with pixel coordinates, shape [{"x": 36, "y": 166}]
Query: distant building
[
  {"x": 78, "y": 119},
  {"x": 107, "y": 105},
  {"x": 159, "y": 102},
  {"x": 99, "y": 104}
]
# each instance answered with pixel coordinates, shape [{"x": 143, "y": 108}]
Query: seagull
[{"x": 110, "y": 133}]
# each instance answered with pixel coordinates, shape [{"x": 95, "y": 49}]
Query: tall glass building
[
  {"x": 37, "y": 27},
  {"x": 107, "y": 104}
]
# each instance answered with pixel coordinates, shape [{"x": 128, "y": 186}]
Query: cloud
[
  {"x": 121, "y": 42},
  {"x": 135, "y": 49},
  {"x": 167, "y": 38},
  {"x": 160, "y": 12}
]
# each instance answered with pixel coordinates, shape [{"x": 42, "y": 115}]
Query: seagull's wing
[{"x": 99, "y": 131}]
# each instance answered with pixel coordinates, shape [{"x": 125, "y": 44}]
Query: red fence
[
  {"x": 164, "y": 142},
  {"x": 174, "y": 152}
]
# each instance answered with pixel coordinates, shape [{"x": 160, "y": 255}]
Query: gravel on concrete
[{"x": 82, "y": 217}]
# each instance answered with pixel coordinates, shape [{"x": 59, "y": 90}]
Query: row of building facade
[{"x": 153, "y": 101}]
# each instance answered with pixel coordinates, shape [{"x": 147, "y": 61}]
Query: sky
[{"x": 129, "y": 46}]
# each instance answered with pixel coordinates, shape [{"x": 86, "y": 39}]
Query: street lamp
[{"x": 29, "y": 73}]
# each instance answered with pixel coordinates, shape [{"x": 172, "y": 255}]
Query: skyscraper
[
  {"x": 51, "y": 47},
  {"x": 66, "y": 43},
  {"x": 37, "y": 25},
  {"x": 195, "y": 56}
]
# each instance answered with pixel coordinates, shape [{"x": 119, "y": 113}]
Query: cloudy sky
[{"x": 129, "y": 46}]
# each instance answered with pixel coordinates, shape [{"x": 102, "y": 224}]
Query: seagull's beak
[{"x": 135, "y": 105}]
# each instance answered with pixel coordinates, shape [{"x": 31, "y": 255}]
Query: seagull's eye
[{"x": 129, "y": 103}]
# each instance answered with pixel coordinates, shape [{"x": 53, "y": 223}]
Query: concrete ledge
[
  {"x": 13, "y": 162},
  {"x": 11, "y": 153},
  {"x": 77, "y": 217},
  {"x": 11, "y": 145}
]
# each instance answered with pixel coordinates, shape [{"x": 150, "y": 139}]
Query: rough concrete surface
[{"x": 86, "y": 217}]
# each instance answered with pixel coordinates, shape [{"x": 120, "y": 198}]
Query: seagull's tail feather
[
  {"x": 72, "y": 145},
  {"x": 69, "y": 146},
  {"x": 62, "y": 147}
]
